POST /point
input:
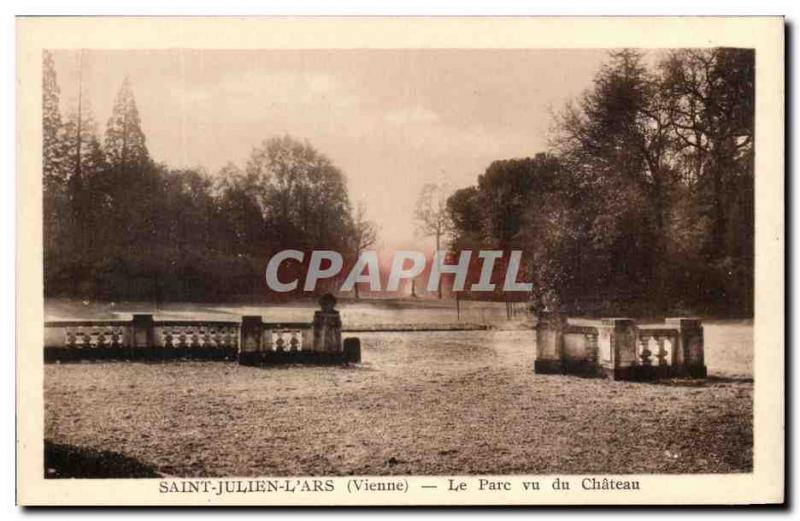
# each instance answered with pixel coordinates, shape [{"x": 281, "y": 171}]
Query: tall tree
[
  {"x": 85, "y": 162},
  {"x": 466, "y": 215},
  {"x": 240, "y": 221},
  {"x": 302, "y": 194},
  {"x": 85, "y": 157},
  {"x": 365, "y": 233},
  {"x": 432, "y": 215},
  {"x": 613, "y": 142},
  {"x": 517, "y": 204},
  {"x": 124, "y": 140},
  {"x": 712, "y": 93},
  {"x": 53, "y": 152},
  {"x": 54, "y": 173},
  {"x": 712, "y": 115}
]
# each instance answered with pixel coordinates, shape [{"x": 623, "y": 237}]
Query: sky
[{"x": 391, "y": 120}]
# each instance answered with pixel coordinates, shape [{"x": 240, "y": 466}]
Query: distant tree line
[
  {"x": 118, "y": 225},
  {"x": 645, "y": 202}
]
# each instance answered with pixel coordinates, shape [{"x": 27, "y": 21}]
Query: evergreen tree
[
  {"x": 54, "y": 171},
  {"x": 53, "y": 151},
  {"x": 124, "y": 145},
  {"x": 84, "y": 152},
  {"x": 608, "y": 142}
]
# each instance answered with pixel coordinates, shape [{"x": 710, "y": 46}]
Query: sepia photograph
[{"x": 367, "y": 263}]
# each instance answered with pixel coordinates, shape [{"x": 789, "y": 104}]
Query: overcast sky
[{"x": 390, "y": 119}]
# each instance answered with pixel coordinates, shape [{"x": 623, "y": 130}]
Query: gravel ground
[{"x": 421, "y": 403}]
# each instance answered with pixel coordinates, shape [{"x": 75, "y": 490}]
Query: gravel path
[{"x": 421, "y": 403}]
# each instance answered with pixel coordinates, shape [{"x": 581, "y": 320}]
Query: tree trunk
[
  {"x": 439, "y": 285},
  {"x": 718, "y": 240}
]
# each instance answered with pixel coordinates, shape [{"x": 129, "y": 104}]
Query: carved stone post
[
  {"x": 143, "y": 333},
  {"x": 617, "y": 347},
  {"x": 250, "y": 337},
  {"x": 327, "y": 326},
  {"x": 143, "y": 336},
  {"x": 689, "y": 354},
  {"x": 549, "y": 343}
]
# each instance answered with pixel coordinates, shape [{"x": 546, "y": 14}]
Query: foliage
[
  {"x": 120, "y": 226},
  {"x": 645, "y": 203},
  {"x": 124, "y": 141}
]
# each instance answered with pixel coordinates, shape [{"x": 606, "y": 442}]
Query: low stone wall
[
  {"x": 620, "y": 349},
  {"x": 251, "y": 341}
]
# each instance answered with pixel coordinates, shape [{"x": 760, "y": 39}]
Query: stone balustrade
[
  {"x": 619, "y": 348},
  {"x": 250, "y": 341}
]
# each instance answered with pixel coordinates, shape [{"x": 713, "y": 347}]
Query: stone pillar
[
  {"x": 250, "y": 338},
  {"x": 327, "y": 326},
  {"x": 143, "y": 336},
  {"x": 549, "y": 343},
  {"x": 616, "y": 346},
  {"x": 688, "y": 354},
  {"x": 352, "y": 350}
]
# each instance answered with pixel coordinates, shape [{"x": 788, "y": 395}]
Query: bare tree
[
  {"x": 432, "y": 216},
  {"x": 365, "y": 232}
]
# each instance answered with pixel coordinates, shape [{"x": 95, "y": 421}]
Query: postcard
[{"x": 400, "y": 261}]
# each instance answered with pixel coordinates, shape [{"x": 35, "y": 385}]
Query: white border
[{"x": 7, "y": 102}]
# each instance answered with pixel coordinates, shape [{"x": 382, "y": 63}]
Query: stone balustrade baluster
[
  {"x": 592, "y": 354},
  {"x": 662, "y": 351},
  {"x": 644, "y": 350}
]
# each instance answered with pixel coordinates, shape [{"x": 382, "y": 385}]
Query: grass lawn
[
  {"x": 421, "y": 403},
  {"x": 354, "y": 313}
]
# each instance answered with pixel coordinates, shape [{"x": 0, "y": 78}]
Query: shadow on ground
[
  {"x": 67, "y": 461},
  {"x": 711, "y": 380}
]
